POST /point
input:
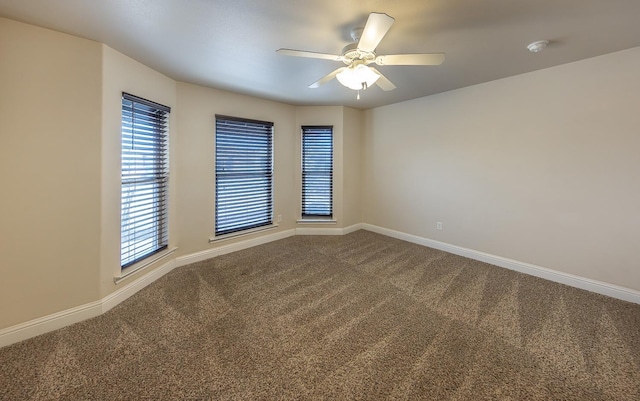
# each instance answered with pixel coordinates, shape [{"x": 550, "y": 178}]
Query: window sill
[
  {"x": 242, "y": 233},
  {"x": 131, "y": 270},
  {"x": 316, "y": 220}
]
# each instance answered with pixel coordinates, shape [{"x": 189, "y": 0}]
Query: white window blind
[
  {"x": 317, "y": 171},
  {"x": 145, "y": 177},
  {"x": 244, "y": 170}
]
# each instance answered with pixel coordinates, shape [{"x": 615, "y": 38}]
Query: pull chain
[{"x": 364, "y": 88}]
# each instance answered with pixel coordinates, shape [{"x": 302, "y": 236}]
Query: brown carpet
[{"x": 356, "y": 317}]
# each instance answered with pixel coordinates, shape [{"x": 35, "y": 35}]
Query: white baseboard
[
  {"x": 49, "y": 323},
  {"x": 77, "y": 314},
  {"x": 67, "y": 317},
  {"x": 327, "y": 230},
  {"x": 128, "y": 290},
  {"x": 58, "y": 320},
  {"x": 353, "y": 228},
  {"x": 237, "y": 246},
  {"x": 599, "y": 287}
]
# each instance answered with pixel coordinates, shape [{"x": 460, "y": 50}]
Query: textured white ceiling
[{"x": 231, "y": 44}]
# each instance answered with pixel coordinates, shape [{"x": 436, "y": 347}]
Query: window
[
  {"x": 145, "y": 177},
  {"x": 317, "y": 172},
  {"x": 244, "y": 170}
]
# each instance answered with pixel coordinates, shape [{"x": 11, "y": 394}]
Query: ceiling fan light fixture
[{"x": 357, "y": 77}]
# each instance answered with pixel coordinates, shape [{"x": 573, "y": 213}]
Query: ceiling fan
[{"x": 357, "y": 56}]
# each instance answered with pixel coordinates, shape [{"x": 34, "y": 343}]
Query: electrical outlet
[
  {"x": 279, "y": 218},
  {"x": 439, "y": 226}
]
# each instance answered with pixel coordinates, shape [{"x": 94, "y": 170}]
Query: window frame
[
  {"x": 306, "y": 214},
  {"x": 260, "y": 171},
  {"x": 146, "y": 183}
]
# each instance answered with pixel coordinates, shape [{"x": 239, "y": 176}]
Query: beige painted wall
[
  {"x": 123, "y": 74},
  {"x": 49, "y": 171},
  {"x": 352, "y": 141},
  {"x": 70, "y": 157},
  {"x": 196, "y": 161},
  {"x": 542, "y": 168}
]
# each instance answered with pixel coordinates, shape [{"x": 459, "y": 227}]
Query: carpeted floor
[{"x": 355, "y": 317}]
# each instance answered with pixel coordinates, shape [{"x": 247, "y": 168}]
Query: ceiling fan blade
[
  {"x": 383, "y": 82},
  {"x": 411, "y": 59},
  {"x": 302, "y": 53},
  {"x": 376, "y": 27},
  {"x": 326, "y": 78}
]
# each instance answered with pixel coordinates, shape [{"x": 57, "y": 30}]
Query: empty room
[{"x": 319, "y": 200}]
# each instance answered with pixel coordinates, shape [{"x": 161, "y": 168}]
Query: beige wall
[
  {"x": 49, "y": 171},
  {"x": 351, "y": 161},
  {"x": 347, "y": 135},
  {"x": 123, "y": 74},
  {"x": 542, "y": 168},
  {"x": 60, "y": 171},
  {"x": 196, "y": 161}
]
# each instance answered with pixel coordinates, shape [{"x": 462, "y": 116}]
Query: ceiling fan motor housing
[{"x": 350, "y": 53}]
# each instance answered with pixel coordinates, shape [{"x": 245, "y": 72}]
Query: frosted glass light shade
[{"x": 354, "y": 77}]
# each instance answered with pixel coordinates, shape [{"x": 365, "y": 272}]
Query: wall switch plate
[
  {"x": 439, "y": 226},
  {"x": 279, "y": 218}
]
